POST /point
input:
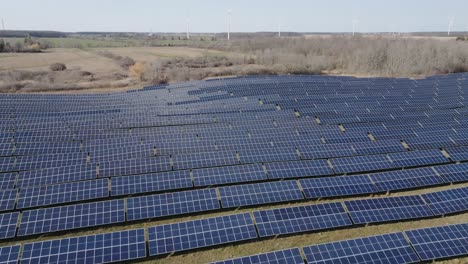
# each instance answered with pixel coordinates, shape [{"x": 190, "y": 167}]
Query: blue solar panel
[
  {"x": 417, "y": 158},
  {"x": 229, "y": 174},
  {"x": 458, "y": 154},
  {"x": 337, "y": 186},
  {"x": 62, "y": 193},
  {"x": 7, "y": 200},
  {"x": 56, "y": 175},
  {"x": 160, "y": 205},
  {"x": 326, "y": 151},
  {"x": 7, "y": 181},
  {"x": 10, "y": 254},
  {"x": 286, "y": 256},
  {"x": 454, "y": 173},
  {"x": 260, "y": 193},
  {"x": 100, "y": 248},
  {"x": 300, "y": 219},
  {"x": 71, "y": 217},
  {"x": 154, "y": 182},
  {"x": 387, "y": 209},
  {"x": 388, "y": 248},
  {"x": 253, "y": 155},
  {"x": 134, "y": 166},
  {"x": 298, "y": 169},
  {"x": 376, "y": 147},
  {"x": 439, "y": 242},
  {"x": 447, "y": 202},
  {"x": 361, "y": 163},
  {"x": 201, "y": 233},
  {"x": 204, "y": 159},
  {"x": 8, "y": 225},
  {"x": 406, "y": 179}
]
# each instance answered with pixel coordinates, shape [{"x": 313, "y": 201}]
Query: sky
[{"x": 247, "y": 15}]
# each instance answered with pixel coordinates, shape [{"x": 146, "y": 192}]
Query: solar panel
[
  {"x": 100, "y": 248},
  {"x": 387, "y": 209},
  {"x": 447, "y": 202},
  {"x": 164, "y": 239},
  {"x": 405, "y": 179},
  {"x": 7, "y": 181},
  {"x": 253, "y": 155},
  {"x": 361, "y": 164},
  {"x": 388, "y": 248},
  {"x": 177, "y": 203},
  {"x": 453, "y": 173},
  {"x": 259, "y": 193},
  {"x": 56, "y": 175},
  {"x": 10, "y": 254},
  {"x": 134, "y": 166},
  {"x": 458, "y": 154},
  {"x": 62, "y": 193},
  {"x": 8, "y": 225},
  {"x": 300, "y": 219},
  {"x": 417, "y": 158},
  {"x": 71, "y": 217},
  {"x": 439, "y": 242},
  {"x": 286, "y": 256},
  {"x": 204, "y": 159},
  {"x": 337, "y": 186},
  {"x": 154, "y": 182},
  {"x": 7, "y": 200},
  {"x": 229, "y": 174},
  {"x": 326, "y": 151},
  {"x": 298, "y": 169},
  {"x": 376, "y": 147}
]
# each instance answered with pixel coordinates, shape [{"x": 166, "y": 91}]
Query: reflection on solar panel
[
  {"x": 361, "y": 163},
  {"x": 62, "y": 193},
  {"x": 71, "y": 217},
  {"x": 286, "y": 256},
  {"x": 300, "y": 219},
  {"x": 447, "y": 202},
  {"x": 160, "y": 205},
  {"x": 388, "y": 248},
  {"x": 439, "y": 242},
  {"x": 7, "y": 200},
  {"x": 406, "y": 179},
  {"x": 387, "y": 209},
  {"x": 260, "y": 193},
  {"x": 9, "y": 254},
  {"x": 101, "y": 248},
  {"x": 154, "y": 182},
  {"x": 337, "y": 186},
  {"x": 454, "y": 173},
  {"x": 8, "y": 225},
  {"x": 206, "y": 232},
  {"x": 417, "y": 158},
  {"x": 298, "y": 169},
  {"x": 229, "y": 174}
]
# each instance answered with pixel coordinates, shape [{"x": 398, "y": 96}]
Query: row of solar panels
[
  {"x": 269, "y": 222},
  {"x": 412, "y": 246},
  {"x": 312, "y": 188}
]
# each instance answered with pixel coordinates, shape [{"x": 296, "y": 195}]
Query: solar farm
[{"x": 169, "y": 171}]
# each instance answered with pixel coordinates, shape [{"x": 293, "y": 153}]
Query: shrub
[
  {"x": 126, "y": 62},
  {"x": 58, "y": 67},
  {"x": 138, "y": 70}
]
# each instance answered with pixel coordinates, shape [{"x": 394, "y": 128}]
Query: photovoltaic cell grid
[
  {"x": 228, "y": 174},
  {"x": 7, "y": 181},
  {"x": 62, "y": 193},
  {"x": 8, "y": 224},
  {"x": 387, "y": 209},
  {"x": 160, "y": 205},
  {"x": 154, "y": 182},
  {"x": 406, "y": 179},
  {"x": 361, "y": 164},
  {"x": 300, "y": 219},
  {"x": 447, "y": 202},
  {"x": 101, "y": 248},
  {"x": 417, "y": 158},
  {"x": 10, "y": 254},
  {"x": 298, "y": 169},
  {"x": 454, "y": 173},
  {"x": 286, "y": 256},
  {"x": 7, "y": 200},
  {"x": 260, "y": 193},
  {"x": 388, "y": 248},
  {"x": 439, "y": 242},
  {"x": 183, "y": 236},
  {"x": 71, "y": 217},
  {"x": 337, "y": 186}
]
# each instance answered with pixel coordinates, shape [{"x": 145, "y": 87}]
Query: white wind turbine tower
[
  {"x": 229, "y": 24},
  {"x": 450, "y": 26},
  {"x": 279, "y": 29},
  {"x": 355, "y": 24},
  {"x": 188, "y": 28},
  {"x": 3, "y": 24}
]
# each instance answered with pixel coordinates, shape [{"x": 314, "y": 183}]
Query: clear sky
[{"x": 247, "y": 15}]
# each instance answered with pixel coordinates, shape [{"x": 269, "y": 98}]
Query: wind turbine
[
  {"x": 279, "y": 29},
  {"x": 3, "y": 24},
  {"x": 229, "y": 24},
  {"x": 188, "y": 27},
  {"x": 450, "y": 26},
  {"x": 355, "y": 22}
]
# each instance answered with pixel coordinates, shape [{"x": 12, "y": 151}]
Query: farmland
[{"x": 205, "y": 171}]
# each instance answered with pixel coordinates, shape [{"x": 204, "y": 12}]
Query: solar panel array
[{"x": 82, "y": 161}]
